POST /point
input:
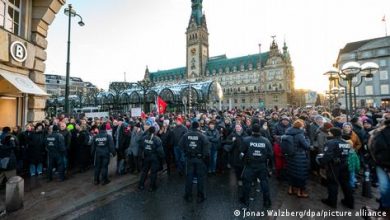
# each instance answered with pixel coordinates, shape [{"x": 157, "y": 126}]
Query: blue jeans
[
  {"x": 35, "y": 169},
  {"x": 65, "y": 162},
  {"x": 213, "y": 159},
  {"x": 352, "y": 180},
  {"x": 179, "y": 157},
  {"x": 384, "y": 187}
]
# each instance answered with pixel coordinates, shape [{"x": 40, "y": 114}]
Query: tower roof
[
  {"x": 218, "y": 62},
  {"x": 197, "y": 13}
]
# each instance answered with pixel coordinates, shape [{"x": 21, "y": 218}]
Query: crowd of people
[{"x": 292, "y": 144}]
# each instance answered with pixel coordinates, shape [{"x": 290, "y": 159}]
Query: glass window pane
[
  {"x": 16, "y": 18},
  {"x": 384, "y": 89},
  {"x": 10, "y": 12},
  {"x": 383, "y": 75},
  {"x": 17, "y": 3},
  {"x": 369, "y": 90}
]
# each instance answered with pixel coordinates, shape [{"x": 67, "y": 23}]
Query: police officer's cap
[
  {"x": 195, "y": 124},
  {"x": 256, "y": 128}
]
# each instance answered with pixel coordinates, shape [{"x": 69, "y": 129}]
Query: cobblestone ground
[{"x": 221, "y": 203}]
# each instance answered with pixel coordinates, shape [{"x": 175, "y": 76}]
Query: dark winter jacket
[
  {"x": 298, "y": 164},
  {"x": 236, "y": 144},
  {"x": 214, "y": 138},
  {"x": 36, "y": 148},
  {"x": 166, "y": 138},
  {"x": 178, "y": 132},
  {"x": 321, "y": 139},
  {"x": 279, "y": 130}
]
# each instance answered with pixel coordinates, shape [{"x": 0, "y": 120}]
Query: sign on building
[{"x": 18, "y": 51}]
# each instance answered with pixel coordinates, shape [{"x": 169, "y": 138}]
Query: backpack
[
  {"x": 380, "y": 149},
  {"x": 287, "y": 145}
]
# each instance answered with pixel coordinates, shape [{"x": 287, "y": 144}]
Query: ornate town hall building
[{"x": 258, "y": 80}]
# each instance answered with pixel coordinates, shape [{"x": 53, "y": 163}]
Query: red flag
[{"x": 161, "y": 105}]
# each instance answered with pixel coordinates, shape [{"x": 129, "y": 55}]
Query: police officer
[
  {"x": 196, "y": 149},
  {"x": 102, "y": 147},
  {"x": 152, "y": 152},
  {"x": 335, "y": 159},
  {"x": 256, "y": 151},
  {"x": 55, "y": 146}
]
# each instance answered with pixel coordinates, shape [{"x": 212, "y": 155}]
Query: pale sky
[{"x": 126, "y": 35}]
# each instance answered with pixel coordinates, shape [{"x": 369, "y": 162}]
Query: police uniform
[
  {"x": 102, "y": 147},
  {"x": 335, "y": 159},
  {"x": 196, "y": 149},
  {"x": 256, "y": 151},
  {"x": 153, "y": 152},
  {"x": 55, "y": 146}
]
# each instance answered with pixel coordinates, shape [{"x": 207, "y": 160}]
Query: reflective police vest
[
  {"x": 101, "y": 141},
  {"x": 149, "y": 148},
  {"x": 101, "y": 145},
  {"x": 51, "y": 143},
  {"x": 257, "y": 151},
  {"x": 344, "y": 150},
  {"x": 193, "y": 147}
]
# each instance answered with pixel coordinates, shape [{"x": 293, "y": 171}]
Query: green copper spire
[{"x": 197, "y": 13}]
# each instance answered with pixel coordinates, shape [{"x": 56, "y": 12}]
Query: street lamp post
[
  {"x": 348, "y": 72},
  {"x": 70, "y": 12}
]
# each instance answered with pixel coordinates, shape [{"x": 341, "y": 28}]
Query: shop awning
[{"x": 22, "y": 83}]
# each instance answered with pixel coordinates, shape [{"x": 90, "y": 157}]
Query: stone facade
[
  {"x": 262, "y": 80},
  {"x": 31, "y": 31},
  {"x": 372, "y": 91}
]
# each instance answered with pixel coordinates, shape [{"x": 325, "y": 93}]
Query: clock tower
[{"x": 197, "y": 42}]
